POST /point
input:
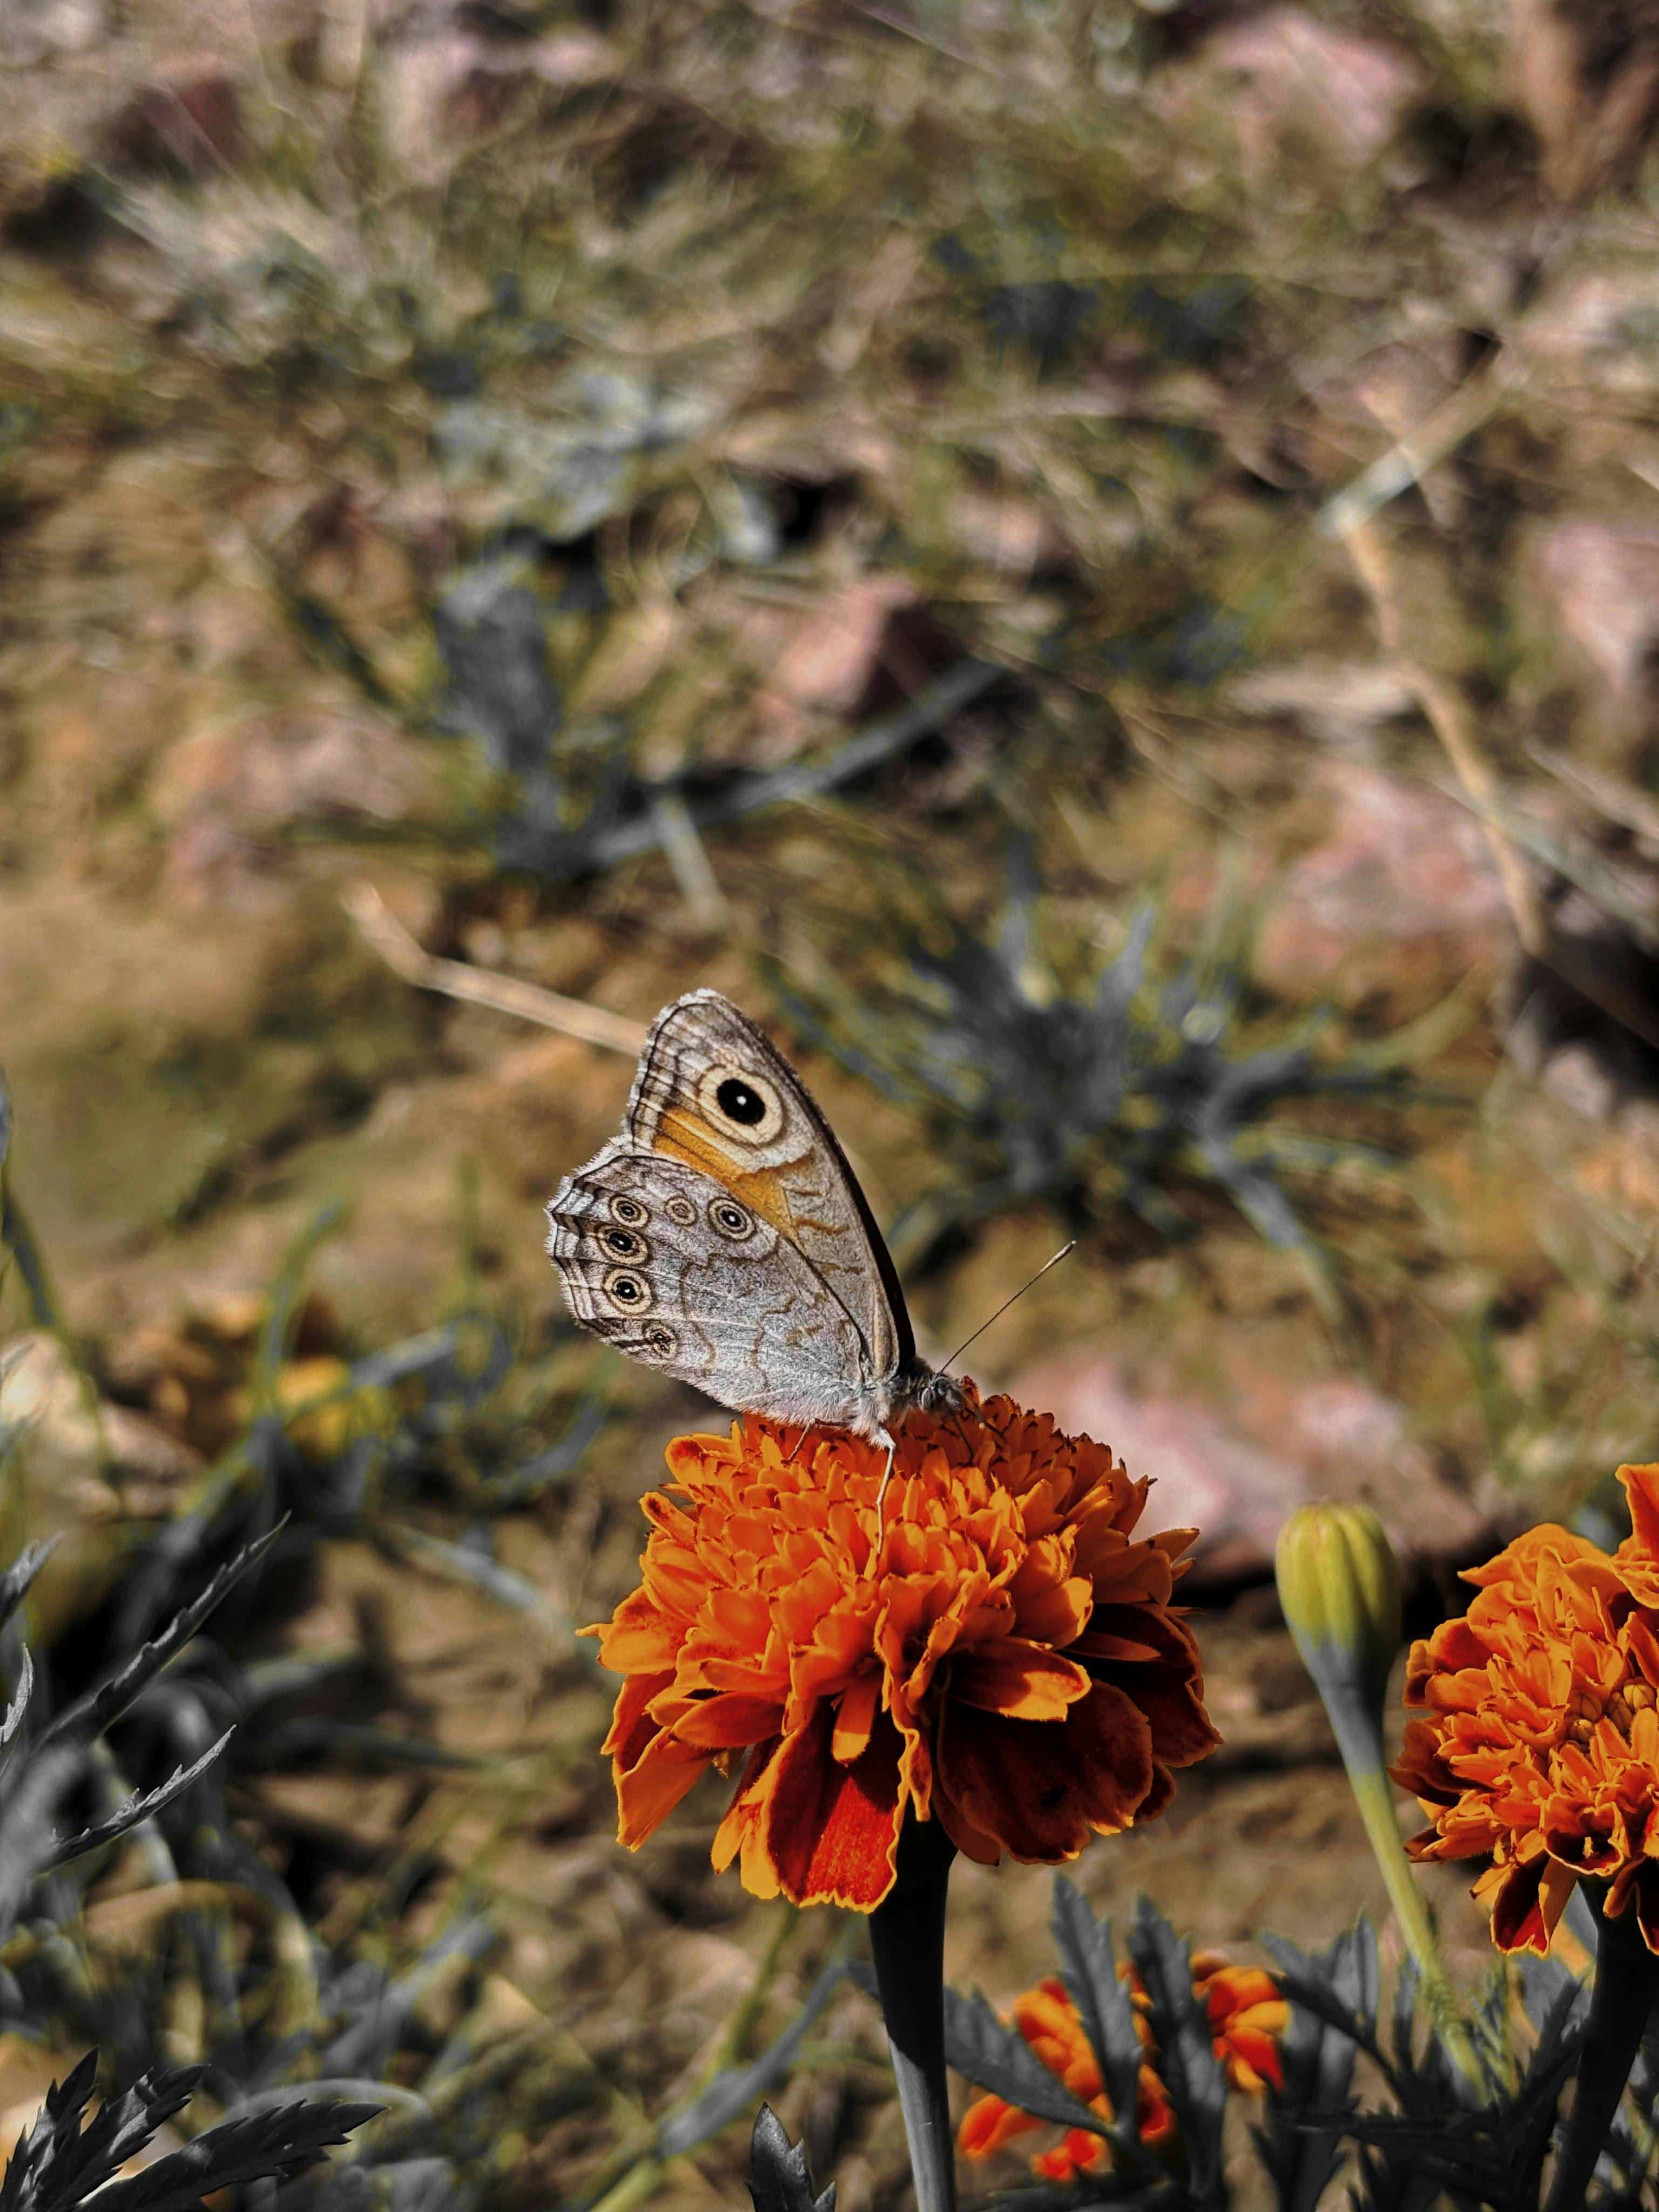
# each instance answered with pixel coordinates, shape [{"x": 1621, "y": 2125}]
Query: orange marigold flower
[
  {"x": 1541, "y": 1750},
  {"x": 1246, "y": 2016},
  {"x": 999, "y": 1654}
]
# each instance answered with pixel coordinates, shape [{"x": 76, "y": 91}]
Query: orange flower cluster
[
  {"x": 1246, "y": 2017},
  {"x": 997, "y": 1651},
  {"x": 1542, "y": 1744}
]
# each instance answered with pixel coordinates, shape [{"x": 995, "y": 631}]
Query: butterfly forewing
[{"x": 724, "y": 1239}]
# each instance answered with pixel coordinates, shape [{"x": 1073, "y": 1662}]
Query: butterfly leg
[{"x": 883, "y": 1438}]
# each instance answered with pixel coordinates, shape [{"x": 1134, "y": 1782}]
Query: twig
[
  {"x": 482, "y": 986},
  {"x": 1448, "y": 717},
  {"x": 1448, "y": 714},
  {"x": 1410, "y": 458}
]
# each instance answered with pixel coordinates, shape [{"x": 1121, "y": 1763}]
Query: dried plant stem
[
  {"x": 1448, "y": 715},
  {"x": 907, "y": 1936},
  {"x": 484, "y": 987},
  {"x": 1623, "y": 1996}
]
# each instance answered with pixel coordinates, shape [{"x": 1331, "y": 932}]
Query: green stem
[
  {"x": 1626, "y": 1988},
  {"x": 906, "y": 1935},
  {"x": 1360, "y": 1742}
]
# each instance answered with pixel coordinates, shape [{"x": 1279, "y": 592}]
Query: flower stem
[
  {"x": 906, "y": 1935},
  {"x": 1360, "y": 1742},
  {"x": 1624, "y": 1993}
]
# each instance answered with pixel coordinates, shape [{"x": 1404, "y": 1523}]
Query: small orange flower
[
  {"x": 1246, "y": 2016},
  {"x": 1541, "y": 1749},
  {"x": 1051, "y": 2024},
  {"x": 999, "y": 1653}
]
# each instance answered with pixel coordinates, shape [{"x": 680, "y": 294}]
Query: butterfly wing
[
  {"x": 713, "y": 1092},
  {"x": 675, "y": 1269}
]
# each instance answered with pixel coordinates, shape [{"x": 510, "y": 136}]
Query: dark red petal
[
  {"x": 832, "y": 1830},
  {"x": 1040, "y": 1787}
]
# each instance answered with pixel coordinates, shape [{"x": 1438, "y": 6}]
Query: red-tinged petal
[
  {"x": 631, "y": 1725},
  {"x": 745, "y": 1812},
  {"x": 1041, "y": 1787},
  {"x": 990, "y": 2122},
  {"x": 855, "y": 1717},
  {"x": 831, "y": 1833},
  {"x": 1018, "y": 1679},
  {"x": 1169, "y": 1690},
  {"x": 973, "y": 1843},
  {"x": 729, "y": 1722},
  {"x": 649, "y": 1790},
  {"x": 1519, "y": 1918}
]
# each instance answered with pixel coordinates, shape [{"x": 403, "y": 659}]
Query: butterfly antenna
[{"x": 1006, "y": 1303}]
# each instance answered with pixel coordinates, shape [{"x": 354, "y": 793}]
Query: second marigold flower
[
  {"x": 997, "y": 1650},
  {"x": 1540, "y": 1749}
]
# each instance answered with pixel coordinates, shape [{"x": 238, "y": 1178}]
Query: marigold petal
[
  {"x": 1528, "y": 1901},
  {"x": 729, "y": 1721},
  {"x": 831, "y": 1832},
  {"x": 631, "y": 1725},
  {"x": 1020, "y": 1680},
  {"x": 1040, "y": 1787},
  {"x": 1169, "y": 1689},
  {"x": 989, "y": 2123},
  {"x": 855, "y": 1717},
  {"x": 647, "y": 1792},
  {"x": 639, "y": 1639},
  {"x": 1641, "y": 1485}
]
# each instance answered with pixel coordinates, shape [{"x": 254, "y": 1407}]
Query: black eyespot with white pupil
[
  {"x": 730, "y": 1220},
  {"x": 627, "y": 1292},
  {"x": 625, "y": 1243},
  {"x": 740, "y": 1101},
  {"x": 629, "y": 1211}
]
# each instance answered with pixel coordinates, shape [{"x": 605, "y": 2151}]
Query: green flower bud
[{"x": 1338, "y": 1584}]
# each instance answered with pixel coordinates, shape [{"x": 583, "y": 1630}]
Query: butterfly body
[{"x": 723, "y": 1238}]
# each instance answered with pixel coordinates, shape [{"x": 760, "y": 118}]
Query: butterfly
[{"x": 723, "y": 1238}]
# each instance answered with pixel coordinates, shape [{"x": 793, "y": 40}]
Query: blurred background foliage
[{"x": 1094, "y": 563}]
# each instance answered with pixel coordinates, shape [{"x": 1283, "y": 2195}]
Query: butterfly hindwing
[{"x": 678, "y": 1271}]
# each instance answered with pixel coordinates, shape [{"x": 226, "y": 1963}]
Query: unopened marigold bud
[{"x": 1338, "y": 1584}]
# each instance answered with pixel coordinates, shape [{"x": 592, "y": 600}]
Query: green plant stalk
[
  {"x": 1360, "y": 1743},
  {"x": 907, "y": 1937},
  {"x": 1622, "y": 1998}
]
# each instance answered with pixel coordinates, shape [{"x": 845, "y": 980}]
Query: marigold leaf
[
  {"x": 779, "y": 2180},
  {"x": 276, "y": 2143},
  {"x": 1180, "y": 2029},
  {"x": 999, "y": 2059},
  {"x": 89, "y": 1716},
  {"x": 14, "y": 1582},
  {"x": 1317, "y": 2060},
  {"x": 1090, "y": 1970},
  {"x": 139, "y": 1806}
]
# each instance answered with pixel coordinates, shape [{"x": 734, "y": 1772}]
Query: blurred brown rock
[
  {"x": 225, "y": 793},
  {"x": 1599, "y": 581},
  {"x": 1403, "y": 889},
  {"x": 1236, "y": 1476},
  {"x": 1289, "y": 78}
]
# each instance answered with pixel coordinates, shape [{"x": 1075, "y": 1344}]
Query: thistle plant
[{"x": 1095, "y": 1097}]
